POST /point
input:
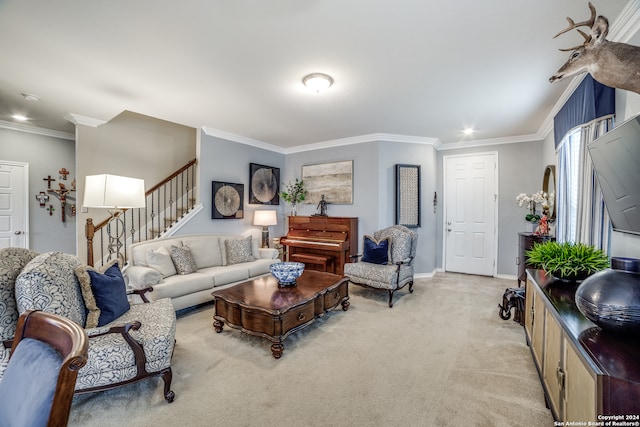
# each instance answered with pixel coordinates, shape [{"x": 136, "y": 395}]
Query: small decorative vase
[
  {"x": 611, "y": 298},
  {"x": 294, "y": 209}
]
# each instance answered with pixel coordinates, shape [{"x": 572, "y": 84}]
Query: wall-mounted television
[{"x": 616, "y": 160}]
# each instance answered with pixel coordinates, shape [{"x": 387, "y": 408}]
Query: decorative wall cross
[
  {"x": 42, "y": 198},
  {"x": 63, "y": 173},
  {"x": 48, "y": 179},
  {"x": 62, "y": 193}
]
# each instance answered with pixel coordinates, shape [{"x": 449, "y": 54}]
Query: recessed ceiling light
[
  {"x": 30, "y": 96},
  {"x": 468, "y": 131},
  {"x": 20, "y": 117},
  {"x": 317, "y": 82}
]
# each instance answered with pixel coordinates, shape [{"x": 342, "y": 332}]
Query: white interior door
[
  {"x": 470, "y": 213},
  {"x": 14, "y": 210}
]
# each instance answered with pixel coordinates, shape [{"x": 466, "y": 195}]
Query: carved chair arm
[
  {"x": 135, "y": 346},
  {"x": 141, "y": 292}
]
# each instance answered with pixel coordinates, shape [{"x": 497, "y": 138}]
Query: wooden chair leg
[
  {"x": 390, "y": 298},
  {"x": 167, "y": 375}
]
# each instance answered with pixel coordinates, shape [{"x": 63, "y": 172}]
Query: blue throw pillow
[
  {"x": 376, "y": 252},
  {"x": 110, "y": 293}
]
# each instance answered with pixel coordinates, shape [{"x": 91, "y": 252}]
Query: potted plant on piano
[{"x": 294, "y": 194}]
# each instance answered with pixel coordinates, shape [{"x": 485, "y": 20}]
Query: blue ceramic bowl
[{"x": 287, "y": 272}]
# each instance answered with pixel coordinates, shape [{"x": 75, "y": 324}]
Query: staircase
[{"x": 167, "y": 203}]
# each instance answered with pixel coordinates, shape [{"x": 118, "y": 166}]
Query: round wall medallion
[
  {"x": 264, "y": 185},
  {"x": 227, "y": 200}
]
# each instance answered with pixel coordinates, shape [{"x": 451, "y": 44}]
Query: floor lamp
[
  {"x": 265, "y": 219},
  {"x": 114, "y": 193}
]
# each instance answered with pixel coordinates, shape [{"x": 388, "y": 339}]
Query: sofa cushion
[
  {"x": 160, "y": 259},
  {"x": 239, "y": 250},
  {"x": 205, "y": 250},
  {"x": 228, "y": 274},
  {"x": 104, "y": 293},
  {"x": 260, "y": 267},
  {"x": 183, "y": 260},
  {"x": 48, "y": 283}
]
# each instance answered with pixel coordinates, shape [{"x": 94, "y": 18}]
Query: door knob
[{"x": 17, "y": 233}]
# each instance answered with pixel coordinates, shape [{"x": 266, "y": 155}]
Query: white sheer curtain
[{"x": 582, "y": 216}]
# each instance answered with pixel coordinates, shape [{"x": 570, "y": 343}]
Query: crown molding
[
  {"x": 494, "y": 141},
  {"x": 77, "y": 119},
  {"x": 373, "y": 137},
  {"x": 36, "y": 130},
  {"x": 241, "y": 139},
  {"x": 627, "y": 24}
]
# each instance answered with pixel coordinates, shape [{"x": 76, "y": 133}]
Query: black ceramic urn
[{"x": 611, "y": 298}]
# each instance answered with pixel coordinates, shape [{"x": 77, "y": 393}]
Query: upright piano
[{"x": 334, "y": 239}]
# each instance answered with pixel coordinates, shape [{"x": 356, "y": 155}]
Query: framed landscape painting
[{"x": 333, "y": 180}]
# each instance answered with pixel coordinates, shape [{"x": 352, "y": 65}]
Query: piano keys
[{"x": 326, "y": 243}]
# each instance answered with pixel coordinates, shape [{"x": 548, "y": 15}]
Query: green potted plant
[
  {"x": 294, "y": 194},
  {"x": 567, "y": 261}
]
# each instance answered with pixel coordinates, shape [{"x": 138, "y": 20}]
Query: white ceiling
[{"x": 415, "y": 68}]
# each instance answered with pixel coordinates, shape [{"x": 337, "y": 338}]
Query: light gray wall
[
  {"x": 46, "y": 156},
  {"x": 520, "y": 170},
  {"x": 222, "y": 160}
]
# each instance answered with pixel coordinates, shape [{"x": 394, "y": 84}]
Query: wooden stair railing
[{"x": 166, "y": 203}]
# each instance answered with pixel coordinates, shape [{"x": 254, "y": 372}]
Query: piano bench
[{"x": 325, "y": 261}]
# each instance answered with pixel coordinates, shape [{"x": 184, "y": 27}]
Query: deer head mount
[{"x": 613, "y": 64}]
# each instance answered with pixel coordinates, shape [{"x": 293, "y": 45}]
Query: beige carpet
[{"x": 440, "y": 357}]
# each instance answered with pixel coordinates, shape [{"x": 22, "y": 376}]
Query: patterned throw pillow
[
  {"x": 239, "y": 250},
  {"x": 183, "y": 260},
  {"x": 376, "y": 252},
  {"x": 104, "y": 293}
]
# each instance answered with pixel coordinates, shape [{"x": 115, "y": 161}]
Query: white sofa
[{"x": 220, "y": 261}]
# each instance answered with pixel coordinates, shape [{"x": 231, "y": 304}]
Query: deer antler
[{"x": 588, "y": 23}]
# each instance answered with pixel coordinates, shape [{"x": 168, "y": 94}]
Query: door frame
[
  {"x": 25, "y": 181},
  {"x": 445, "y": 195}
]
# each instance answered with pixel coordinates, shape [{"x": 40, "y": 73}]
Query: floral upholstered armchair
[
  {"x": 387, "y": 260},
  {"x": 12, "y": 261},
  {"x": 127, "y": 342}
]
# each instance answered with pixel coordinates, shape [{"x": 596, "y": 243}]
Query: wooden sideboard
[
  {"x": 525, "y": 242},
  {"x": 587, "y": 373}
]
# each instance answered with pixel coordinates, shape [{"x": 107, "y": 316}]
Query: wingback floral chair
[
  {"x": 136, "y": 345},
  {"x": 387, "y": 260},
  {"x": 12, "y": 261}
]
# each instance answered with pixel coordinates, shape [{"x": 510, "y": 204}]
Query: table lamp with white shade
[{"x": 265, "y": 218}]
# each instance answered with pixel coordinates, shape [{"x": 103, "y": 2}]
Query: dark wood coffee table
[{"x": 263, "y": 308}]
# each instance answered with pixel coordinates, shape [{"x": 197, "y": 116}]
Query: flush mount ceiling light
[
  {"x": 317, "y": 82},
  {"x": 468, "y": 131},
  {"x": 20, "y": 118}
]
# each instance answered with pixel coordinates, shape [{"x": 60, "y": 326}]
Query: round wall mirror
[{"x": 549, "y": 187}]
